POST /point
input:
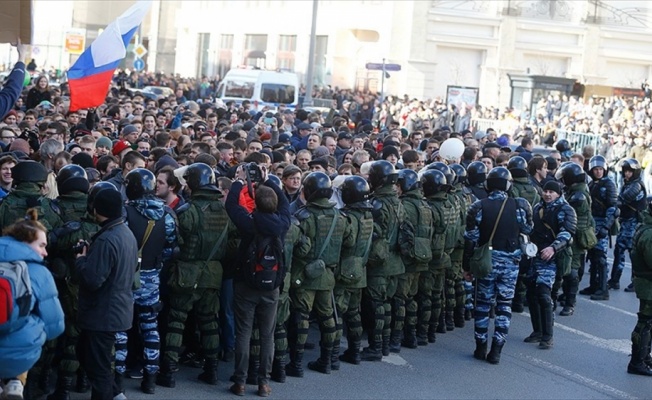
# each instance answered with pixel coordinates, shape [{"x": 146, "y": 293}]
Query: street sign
[
  {"x": 139, "y": 64},
  {"x": 140, "y": 50},
  {"x": 379, "y": 67}
]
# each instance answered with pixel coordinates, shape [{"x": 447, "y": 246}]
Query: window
[
  {"x": 287, "y": 46},
  {"x": 239, "y": 89},
  {"x": 255, "y": 50},
  {"x": 277, "y": 93}
]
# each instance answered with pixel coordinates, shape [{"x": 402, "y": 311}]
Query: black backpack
[{"x": 265, "y": 269}]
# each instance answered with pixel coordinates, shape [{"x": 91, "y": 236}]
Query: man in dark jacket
[
  {"x": 106, "y": 276},
  {"x": 271, "y": 218}
]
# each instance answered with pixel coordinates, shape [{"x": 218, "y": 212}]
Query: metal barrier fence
[
  {"x": 578, "y": 140},
  {"x": 500, "y": 126}
]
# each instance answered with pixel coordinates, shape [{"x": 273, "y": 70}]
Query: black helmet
[
  {"x": 317, "y": 185},
  {"x": 276, "y": 180},
  {"x": 571, "y": 173},
  {"x": 433, "y": 181},
  {"x": 598, "y": 161},
  {"x": 98, "y": 187},
  {"x": 408, "y": 180},
  {"x": 139, "y": 183},
  {"x": 354, "y": 190},
  {"x": 198, "y": 175},
  {"x": 476, "y": 173},
  {"x": 498, "y": 178},
  {"x": 517, "y": 166},
  {"x": 563, "y": 146},
  {"x": 72, "y": 178},
  {"x": 628, "y": 164},
  {"x": 382, "y": 173},
  {"x": 29, "y": 171},
  {"x": 460, "y": 173},
  {"x": 444, "y": 169}
]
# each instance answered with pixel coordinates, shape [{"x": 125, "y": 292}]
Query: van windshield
[
  {"x": 239, "y": 89},
  {"x": 277, "y": 93}
]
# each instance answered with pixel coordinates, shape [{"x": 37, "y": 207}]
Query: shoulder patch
[
  {"x": 183, "y": 208},
  {"x": 302, "y": 214}
]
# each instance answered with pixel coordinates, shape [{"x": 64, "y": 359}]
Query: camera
[
  {"x": 254, "y": 173},
  {"x": 79, "y": 247}
]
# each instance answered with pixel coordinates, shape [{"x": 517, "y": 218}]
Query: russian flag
[{"x": 89, "y": 78}]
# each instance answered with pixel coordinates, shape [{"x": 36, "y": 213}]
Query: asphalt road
[{"x": 588, "y": 361}]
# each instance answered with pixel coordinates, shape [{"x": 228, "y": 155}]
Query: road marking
[
  {"x": 601, "y": 387},
  {"x": 601, "y": 304},
  {"x": 397, "y": 360},
  {"x": 617, "y": 345}
]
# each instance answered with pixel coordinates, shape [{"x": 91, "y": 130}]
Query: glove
[{"x": 602, "y": 233}]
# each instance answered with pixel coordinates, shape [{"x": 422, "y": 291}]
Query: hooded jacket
[{"x": 21, "y": 340}]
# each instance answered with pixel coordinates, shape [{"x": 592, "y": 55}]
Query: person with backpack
[
  {"x": 260, "y": 271},
  {"x": 29, "y": 294}
]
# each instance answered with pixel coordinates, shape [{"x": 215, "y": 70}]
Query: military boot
[
  {"x": 441, "y": 324},
  {"x": 494, "y": 355},
  {"x": 432, "y": 333},
  {"x": 352, "y": 354},
  {"x": 335, "y": 356},
  {"x": 449, "y": 321},
  {"x": 374, "y": 352},
  {"x": 148, "y": 384},
  {"x": 252, "y": 371},
  {"x": 295, "y": 367},
  {"x": 395, "y": 341},
  {"x": 547, "y": 317},
  {"x": 278, "y": 369},
  {"x": 165, "y": 376},
  {"x": 410, "y": 337},
  {"x": 593, "y": 280},
  {"x": 640, "y": 350},
  {"x": 458, "y": 316},
  {"x": 601, "y": 289},
  {"x": 614, "y": 282},
  {"x": 62, "y": 391},
  {"x": 385, "y": 346},
  {"x": 83, "y": 384},
  {"x": 119, "y": 380},
  {"x": 480, "y": 352},
  {"x": 323, "y": 363},
  {"x": 210, "y": 372},
  {"x": 535, "y": 318},
  {"x": 422, "y": 335}
]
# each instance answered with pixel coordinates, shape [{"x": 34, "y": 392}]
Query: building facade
[{"x": 438, "y": 43}]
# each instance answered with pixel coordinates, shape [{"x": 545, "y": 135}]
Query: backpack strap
[
  {"x": 500, "y": 214},
  {"x": 218, "y": 244}
]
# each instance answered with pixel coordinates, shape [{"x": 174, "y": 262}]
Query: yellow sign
[
  {"x": 140, "y": 50},
  {"x": 75, "y": 41}
]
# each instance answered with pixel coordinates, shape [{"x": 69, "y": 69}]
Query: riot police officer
[
  {"x": 384, "y": 263},
  {"x": 554, "y": 226},
  {"x": 631, "y": 201},
  {"x": 476, "y": 176},
  {"x": 576, "y": 193},
  {"x": 510, "y": 217},
  {"x": 563, "y": 147},
  {"x": 155, "y": 229},
  {"x": 604, "y": 209}
]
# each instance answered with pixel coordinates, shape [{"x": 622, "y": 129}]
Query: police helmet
[
  {"x": 408, "y": 180},
  {"x": 517, "y": 166},
  {"x": 498, "y": 178},
  {"x": 476, "y": 173},
  {"x": 275, "y": 180},
  {"x": 317, "y": 185},
  {"x": 72, "y": 178},
  {"x": 598, "y": 161},
  {"x": 460, "y": 173},
  {"x": 630, "y": 164},
  {"x": 571, "y": 173},
  {"x": 563, "y": 146},
  {"x": 382, "y": 173},
  {"x": 29, "y": 171},
  {"x": 354, "y": 190},
  {"x": 139, "y": 183},
  {"x": 444, "y": 169},
  {"x": 198, "y": 175},
  {"x": 433, "y": 181},
  {"x": 92, "y": 194}
]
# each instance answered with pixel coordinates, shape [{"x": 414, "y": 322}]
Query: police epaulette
[
  {"x": 183, "y": 208},
  {"x": 54, "y": 204},
  {"x": 302, "y": 213}
]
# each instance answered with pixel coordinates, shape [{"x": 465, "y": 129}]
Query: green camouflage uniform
[
  {"x": 23, "y": 197},
  {"x": 454, "y": 288}
]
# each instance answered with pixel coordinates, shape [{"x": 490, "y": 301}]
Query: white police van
[{"x": 260, "y": 87}]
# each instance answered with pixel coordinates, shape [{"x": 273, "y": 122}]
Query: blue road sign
[
  {"x": 139, "y": 64},
  {"x": 379, "y": 67}
]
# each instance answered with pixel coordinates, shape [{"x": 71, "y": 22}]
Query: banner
[{"x": 75, "y": 41}]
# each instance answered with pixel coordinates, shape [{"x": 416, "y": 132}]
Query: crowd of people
[{"x": 182, "y": 232}]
